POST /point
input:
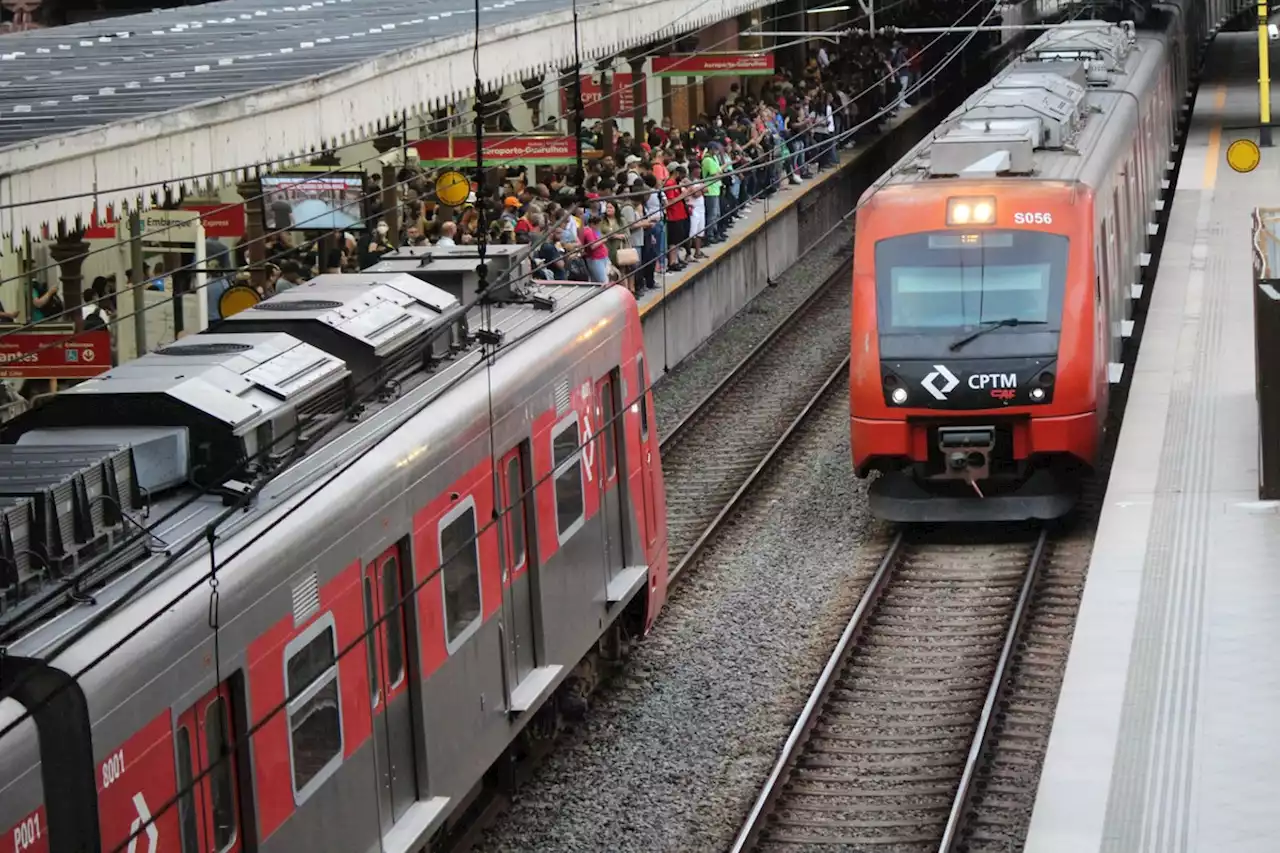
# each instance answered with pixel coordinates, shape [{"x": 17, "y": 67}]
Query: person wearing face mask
[{"x": 374, "y": 246}]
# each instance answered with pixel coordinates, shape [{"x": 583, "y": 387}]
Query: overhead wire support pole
[
  {"x": 1264, "y": 77},
  {"x": 577, "y": 103},
  {"x": 482, "y": 232}
]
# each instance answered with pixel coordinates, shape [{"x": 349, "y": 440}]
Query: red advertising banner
[
  {"x": 219, "y": 220},
  {"x": 461, "y": 150},
  {"x": 101, "y": 231},
  {"x": 713, "y": 65},
  {"x": 622, "y": 97},
  {"x": 54, "y": 353}
]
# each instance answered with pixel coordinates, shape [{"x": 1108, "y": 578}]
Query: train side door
[
  {"x": 208, "y": 810},
  {"x": 606, "y": 457},
  {"x": 384, "y": 598},
  {"x": 517, "y": 575},
  {"x": 646, "y": 459}
]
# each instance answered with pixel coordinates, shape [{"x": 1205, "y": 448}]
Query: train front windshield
[{"x": 947, "y": 281}]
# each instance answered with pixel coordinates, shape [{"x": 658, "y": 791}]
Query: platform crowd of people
[{"x": 660, "y": 198}]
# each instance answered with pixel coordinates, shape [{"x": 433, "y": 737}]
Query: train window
[
  {"x": 515, "y": 517},
  {"x": 371, "y": 643},
  {"x": 940, "y": 282},
  {"x": 314, "y": 710},
  {"x": 644, "y": 399},
  {"x": 567, "y": 470},
  {"x": 221, "y": 791},
  {"x": 186, "y": 794},
  {"x": 460, "y": 568},
  {"x": 392, "y": 605}
]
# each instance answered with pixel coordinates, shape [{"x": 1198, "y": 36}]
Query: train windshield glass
[{"x": 949, "y": 280}]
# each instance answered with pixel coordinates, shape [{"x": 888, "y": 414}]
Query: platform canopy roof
[{"x": 133, "y": 104}]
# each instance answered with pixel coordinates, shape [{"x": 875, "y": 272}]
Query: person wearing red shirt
[
  {"x": 595, "y": 252},
  {"x": 677, "y": 217}
]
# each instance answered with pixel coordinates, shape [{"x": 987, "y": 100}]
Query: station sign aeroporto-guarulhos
[{"x": 713, "y": 65}]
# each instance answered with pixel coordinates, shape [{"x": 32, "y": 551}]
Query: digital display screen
[
  {"x": 318, "y": 202},
  {"x": 991, "y": 240}
]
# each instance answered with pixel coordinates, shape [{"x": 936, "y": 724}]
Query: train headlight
[
  {"x": 1037, "y": 394},
  {"x": 899, "y": 395},
  {"x": 971, "y": 211}
]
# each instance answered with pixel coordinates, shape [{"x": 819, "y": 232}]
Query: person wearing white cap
[{"x": 633, "y": 171}]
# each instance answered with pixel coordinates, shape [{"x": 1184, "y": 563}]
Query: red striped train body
[
  {"x": 995, "y": 270},
  {"x": 381, "y": 740}
]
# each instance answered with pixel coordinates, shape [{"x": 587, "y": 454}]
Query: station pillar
[
  {"x": 640, "y": 98},
  {"x": 605, "y": 67},
  {"x": 251, "y": 192},
  {"x": 389, "y": 203},
  {"x": 69, "y": 253}
]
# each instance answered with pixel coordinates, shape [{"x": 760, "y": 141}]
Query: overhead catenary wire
[
  {"x": 67, "y": 642},
  {"x": 266, "y": 165},
  {"x": 242, "y": 743},
  {"x": 193, "y": 267},
  {"x": 147, "y": 531},
  {"x": 259, "y": 167},
  {"x": 247, "y": 497}
]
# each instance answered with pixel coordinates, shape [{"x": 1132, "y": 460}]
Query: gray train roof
[
  {"x": 1054, "y": 114},
  {"x": 146, "y": 99},
  {"x": 171, "y": 409}
]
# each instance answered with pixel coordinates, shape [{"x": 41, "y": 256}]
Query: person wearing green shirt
[{"x": 711, "y": 192}]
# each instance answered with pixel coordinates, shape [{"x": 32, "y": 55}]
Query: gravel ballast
[
  {"x": 677, "y": 392},
  {"x": 673, "y": 752}
]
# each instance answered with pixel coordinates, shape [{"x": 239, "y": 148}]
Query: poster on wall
[
  {"x": 623, "y": 95},
  {"x": 302, "y": 201}
]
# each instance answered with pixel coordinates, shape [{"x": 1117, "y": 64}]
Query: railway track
[
  {"x": 712, "y": 457},
  {"x": 886, "y": 751}
]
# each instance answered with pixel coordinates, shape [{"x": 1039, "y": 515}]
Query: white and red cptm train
[
  {"x": 404, "y": 587},
  {"x": 997, "y": 265}
]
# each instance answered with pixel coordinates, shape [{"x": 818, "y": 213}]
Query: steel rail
[
  {"x": 740, "y": 369},
  {"x": 951, "y": 835},
  {"x": 749, "y": 834},
  {"x": 809, "y": 715},
  {"x": 725, "y": 511}
]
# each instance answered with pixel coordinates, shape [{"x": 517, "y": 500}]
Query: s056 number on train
[{"x": 1033, "y": 218}]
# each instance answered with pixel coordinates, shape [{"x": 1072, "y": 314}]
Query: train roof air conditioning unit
[
  {"x": 223, "y": 399},
  {"x": 968, "y": 152},
  {"x": 382, "y": 326}
]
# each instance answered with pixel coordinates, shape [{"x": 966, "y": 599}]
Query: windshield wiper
[{"x": 991, "y": 326}]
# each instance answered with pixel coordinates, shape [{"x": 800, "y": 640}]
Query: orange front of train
[{"x": 976, "y": 365}]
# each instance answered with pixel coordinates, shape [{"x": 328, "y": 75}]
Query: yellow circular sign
[
  {"x": 1243, "y": 155},
  {"x": 237, "y": 298},
  {"x": 452, "y": 188}
]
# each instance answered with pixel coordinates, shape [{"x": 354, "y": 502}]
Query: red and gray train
[
  {"x": 298, "y": 582},
  {"x": 997, "y": 264}
]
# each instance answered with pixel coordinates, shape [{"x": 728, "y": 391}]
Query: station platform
[
  {"x": 748, "y": 225},
  {"x": 688, "y": 307},
  {"x": 1165, "y": 737}
]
